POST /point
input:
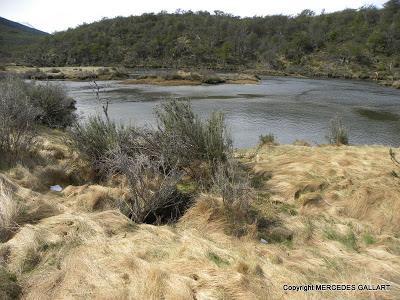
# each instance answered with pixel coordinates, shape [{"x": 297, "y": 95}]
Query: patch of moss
[
  {"x": 368, "y": 238},
  {"x": 348, "y": 239},
  {"x": 9, "y": 287},
  {"x": 215, "y": 258}
]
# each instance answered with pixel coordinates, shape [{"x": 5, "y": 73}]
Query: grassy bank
[
  {"x": 194, "y": 78},
  {"x": 157, "y": 77},
  {"x": 68, "y": 73},
  {"x": 176, "y": 78},
  {"x": 331, "y": 216}
]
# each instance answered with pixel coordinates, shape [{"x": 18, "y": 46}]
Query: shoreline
[{"x": 157, "y": 76}]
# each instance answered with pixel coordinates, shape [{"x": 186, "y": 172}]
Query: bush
[
  {"x": 233, "y": 185},
  {"x": 186, "y": 138},
  {"x": 212, "y": 79},
  {"x": 267, "y": 139},
  {"x": 95, "y": 139},
  {"x": 337, "y": 134},
  {"x": 36, "y": 74},
  {"x": 17, "y": 118},
  {"x": 56, "y": 108},
  {"x": 153, "y": 195}
]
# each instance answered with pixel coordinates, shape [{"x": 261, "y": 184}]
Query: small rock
[
  {"x": 263, "y": 241},
  {"x": 56, "y": 188}
]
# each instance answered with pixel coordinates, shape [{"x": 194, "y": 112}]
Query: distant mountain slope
[{"x": 14, "y": 37}]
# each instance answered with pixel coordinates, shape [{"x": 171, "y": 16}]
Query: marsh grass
[{"x": 337, "y": 132}]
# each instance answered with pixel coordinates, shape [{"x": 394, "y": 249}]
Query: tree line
[{"x": 365, "y": 37}]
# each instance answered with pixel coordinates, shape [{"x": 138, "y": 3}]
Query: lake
[{"x": 290, "y": 108}]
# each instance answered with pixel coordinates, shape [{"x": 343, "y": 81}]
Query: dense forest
[{"x": 355, "y": 41}]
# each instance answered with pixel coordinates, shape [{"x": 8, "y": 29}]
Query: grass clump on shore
[
  {"x": 337, "y": 132},
  {"x": 268, "y": 139}
]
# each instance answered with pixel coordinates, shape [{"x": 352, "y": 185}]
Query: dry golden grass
[{"x": 334, "y": 218}]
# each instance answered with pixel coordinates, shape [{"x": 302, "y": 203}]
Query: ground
[{"x": 333, "y": 216}]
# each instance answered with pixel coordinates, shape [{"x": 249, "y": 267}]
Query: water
[{"x": 290, "y": 108}]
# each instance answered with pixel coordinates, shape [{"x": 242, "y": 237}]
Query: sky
[{"x": 56, "y": 15}]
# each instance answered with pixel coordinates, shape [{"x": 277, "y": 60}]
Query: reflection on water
[{"x": 288, "y": 107}]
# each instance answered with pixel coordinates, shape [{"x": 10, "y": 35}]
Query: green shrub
[
  {"x": 95, "y": 138},
  {"x": 17, "y": 118},
  {"x": 186, "y": 138},
  {"x": 267, "y": 139},
  {"x": 57, "y": 110},
  {"x": 337, "y": 133}
]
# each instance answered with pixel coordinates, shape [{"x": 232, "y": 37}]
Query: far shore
[{"x": 170, "y": 77}]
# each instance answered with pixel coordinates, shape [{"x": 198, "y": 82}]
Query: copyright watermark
[{"x": 336, "y": 287}]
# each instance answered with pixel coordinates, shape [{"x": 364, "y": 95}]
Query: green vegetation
[
  {"x": 268, "y": 139},
  {"x": 9, "y": 287},
  {"x": 14, "y": 38},
  {"x": 155, "y": 162},
  {"x": 25, "y": 106},
  {"x": 348, "y": 239},
  {"x": 353, "y": 43},
  {"x": 219, "y": 261},
  {"x": 368, "y": 238}
]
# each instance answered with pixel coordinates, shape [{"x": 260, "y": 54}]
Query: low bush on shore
[
  {"x": 154, "y": 162},
  {"x": 23, "y": 107}
]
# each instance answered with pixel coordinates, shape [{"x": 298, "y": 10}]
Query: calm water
[{"x": 288, "y": 107}]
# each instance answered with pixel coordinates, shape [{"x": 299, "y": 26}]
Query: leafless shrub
[
  {"x": 233, "y": 184},
  {"x": 152, "y": 185}
]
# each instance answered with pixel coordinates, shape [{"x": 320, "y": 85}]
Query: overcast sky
[{"x": 54, "y": 15}]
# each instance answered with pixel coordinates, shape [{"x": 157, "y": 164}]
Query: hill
[
  {"x": 360, "y": 43},
  {"x": 14, "y": 37}
]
